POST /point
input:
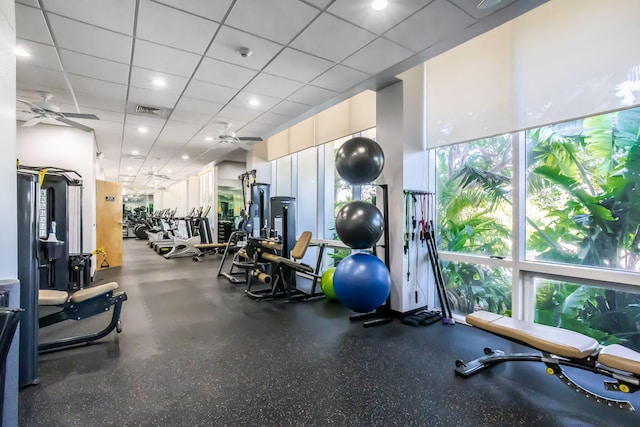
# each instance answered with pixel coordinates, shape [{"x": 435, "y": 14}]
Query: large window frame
[{"x": 523, "y": 271}]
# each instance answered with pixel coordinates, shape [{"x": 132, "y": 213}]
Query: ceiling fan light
[
  {"x": 159, "y": 82},
  {"x": 488, "y": 4},
  {"x": 254, "y": 102}
]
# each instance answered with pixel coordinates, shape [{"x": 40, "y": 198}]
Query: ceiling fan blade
[
  {"x": 81, "y": 116},
  {"x": 74, "y": 124},
  {"x": 29, "y": 104},
  {"x": 31, "y": 122},
  {"x": 250, "y": 138}
]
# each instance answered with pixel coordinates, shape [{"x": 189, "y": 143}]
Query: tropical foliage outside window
[
  {"x": 474, "y": 215},
  {"x": 610, "y": 316},
  {"x": 582, "y": 208}
]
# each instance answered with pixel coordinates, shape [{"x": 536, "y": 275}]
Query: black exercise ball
[
  {"x": 359, "y": 224},
  {"x": 359, "y": 160}
]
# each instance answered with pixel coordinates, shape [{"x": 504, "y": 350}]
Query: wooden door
[{"x": 109, "y": 223}]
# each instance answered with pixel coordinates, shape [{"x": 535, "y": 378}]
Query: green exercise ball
[{"x": 326, "y": 283}]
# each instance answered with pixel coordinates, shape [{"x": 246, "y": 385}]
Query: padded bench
[{"x": 558, "y": 347}]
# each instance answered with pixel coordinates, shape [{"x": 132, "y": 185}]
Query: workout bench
[
  {"x": 80, "y": 305},
  {"x": 559, "y": 347}
]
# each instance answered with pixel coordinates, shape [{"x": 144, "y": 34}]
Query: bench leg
[{"x": 115, "y": 323}]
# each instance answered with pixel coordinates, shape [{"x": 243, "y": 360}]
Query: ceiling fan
[
  {"x": 229, "y": 137},
  {"x": 152, "y": 173},
  {"x": 42, "y": 110}
]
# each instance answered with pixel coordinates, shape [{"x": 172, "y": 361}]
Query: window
[
  {"x": 472, "y": 287},
  {"x": 607, "y": 315},
  {"x": 474, "y": 208},
  {"x": 583, "y": 192}
]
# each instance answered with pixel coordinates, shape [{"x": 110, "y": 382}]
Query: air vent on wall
[{"x": 145, "y": 109}]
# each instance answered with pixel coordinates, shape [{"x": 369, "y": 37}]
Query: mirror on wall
[{"x": 230, "y": 204}]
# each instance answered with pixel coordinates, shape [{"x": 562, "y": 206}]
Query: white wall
[
  {"x": 193, "y": 186},
  {"x": 178, "y": 198},
  {"x": 67, "y": 148},
  {"x": 8, "y": 217},
  {"x": 227, "y": 173},
  {"x": 8, "y": 243}
]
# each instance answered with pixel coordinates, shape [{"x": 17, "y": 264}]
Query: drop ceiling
[{"x": 102, "y": 57}]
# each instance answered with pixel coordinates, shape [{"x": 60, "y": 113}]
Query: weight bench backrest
[{"x": 301, "y": 246}]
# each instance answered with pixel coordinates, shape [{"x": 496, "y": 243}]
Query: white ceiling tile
[
  {"x": 377, "y": 56},
  {"x": 198, "y": 106},
  {"x": 30, "y": 25},
  {"x": 277, "y": 20},
  {"x": 289, "y": 108},
  {"x": 61, "y": 96},
  {"x": 226, "y": 44},
  {"x": 134, "y": 121},
  {"x": 430, "y": 25},
  {"x": 340, "y": 78},
  {"x": 153, "y": 97},
  {"x": 171, "y": 27},
  {"x": 312, "y": 95},
  {"x": 332, "y": 38},
  {"x": 92, "y": 100},
  {"x": 97, "y": 87},
  {"x": 32, "y": 78},
  {"x": 470, "y": 6},
  {"x": 271, "y": 119},
  {"x": 254, "y": 129},
  {"x": 164, "y": 59},
  {"x": 318, "y": 3},
  {"x": 231, "y": 113},
  {"x": 266, "y": 84},
  {"x": 33, "y": 3},
  {"x": 225, "y": 74},
  {"x": 97, "y": 68},
  {"x": 378, "y": 21},
  {"x": 143, "y": 78},
  {"x": 295, "y": 65},
  {"x": 264, "y": 102},
  {"x": 91, "y": 40},
  {"x": 185, "y": 116},
  {"x": 41, "y": 55},
  {"x": 116, "y": 15},
  {"x": 206, "y": 8},
  {"x": 209, "y": 92},
  {"x": 178, "y": 133}
]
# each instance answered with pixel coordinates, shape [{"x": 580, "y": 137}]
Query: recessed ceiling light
[
  {"x": 22, "y": 52},
  {"x": 135, "y": 152},
  {"x": 143, "y": 130},
  {"x": 254, "y": 102},
  {"x": 208, "y": 138},
  {"x": 379, "y": 4},
  {"x": 159, "y": 82},
  {"x": 168, "y": 170},
  {"x": 128, "y": 167},
  {"x": 185, "y": 157}
]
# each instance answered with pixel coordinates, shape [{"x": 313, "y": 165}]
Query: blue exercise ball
[
  {"x": 359, "y": 224},
  {"x": 362, "y": 282},
  {"x": 359, "y": 160}
]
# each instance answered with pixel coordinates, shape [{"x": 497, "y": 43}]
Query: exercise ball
[
  {"x": 359, "y": 224},
  {"x": 362, "y": 282},
  {"x": 359, "y": 160},
  {"x": 326, "y": 283}
]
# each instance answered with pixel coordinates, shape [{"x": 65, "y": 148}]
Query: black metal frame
[
  {"x": 383, "y": 314},
  {"x": 624, "y": 382},
  {"x": 78, "y": 311}
]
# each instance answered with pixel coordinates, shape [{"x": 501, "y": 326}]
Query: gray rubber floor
[{"x": 196, "y": 351}]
